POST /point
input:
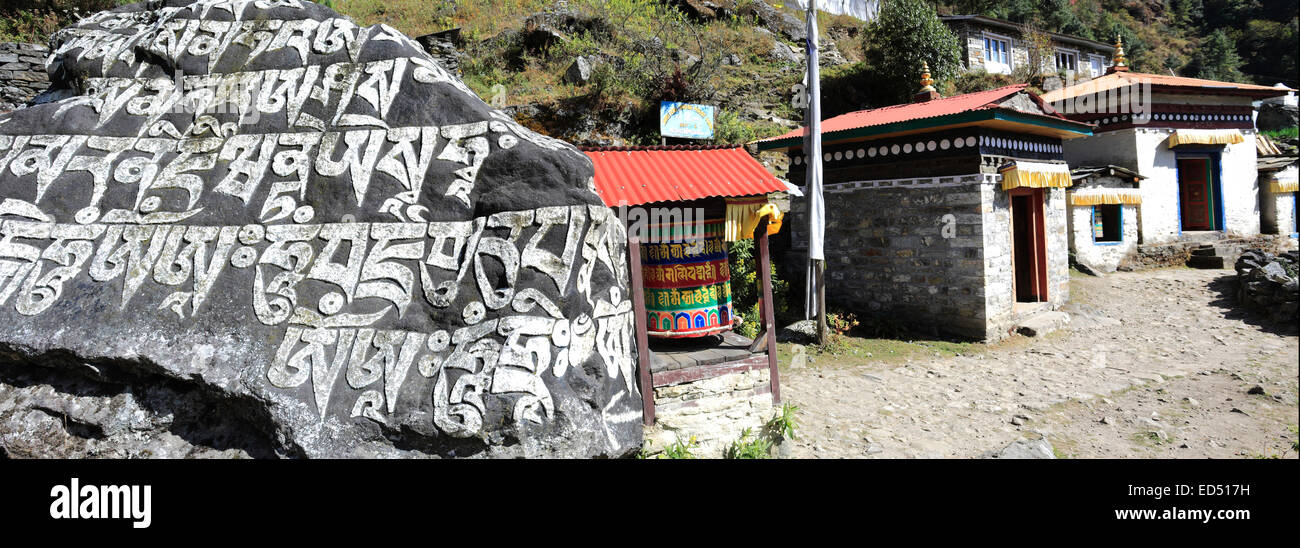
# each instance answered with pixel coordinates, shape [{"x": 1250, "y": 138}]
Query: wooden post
[
  {"x": 638, "y": 325},
  {"x": 767, "y": 310},
  {"x": 823, "y": 334}
]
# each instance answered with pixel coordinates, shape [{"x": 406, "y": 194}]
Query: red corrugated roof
[
  {"x": 642, "y": 175},
  {"x": 912, "y": 111}
]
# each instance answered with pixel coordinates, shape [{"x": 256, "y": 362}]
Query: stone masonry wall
[
  {"x": 22, "y": 73},
  {"x": 913, "y": 252},
  {"x": 999, "y": 270},
  {"x": 712, "y": 411},
  {"x": 971, "y": 37}
]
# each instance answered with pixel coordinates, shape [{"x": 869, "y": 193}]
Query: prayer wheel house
[
  {"x": 947, "y": 213},
  {"x": 1191, "y": 140},
  {"x": 681, "y": 206}
]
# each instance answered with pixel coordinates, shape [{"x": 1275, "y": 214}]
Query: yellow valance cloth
[
  {"x": 1099, "y": 196},
  {"x": 1205, "y": 137},
  {"x": 1282, "y": 187},
  {"x": 743, "y": 215},
  {"x": 1035, "y": 175}
]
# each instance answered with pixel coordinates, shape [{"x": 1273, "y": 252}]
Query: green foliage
[
  {"x": 680, "y": 449},
  {"x": 783, "y": 426},
  {"x": 731, "y": 129},
  {"x": 745, "y": 287},
  {"x": 841, "y": 323},
  {"x": 1217, "y": 59},
  {"x": 34, "y": 21},
  {"x": 749, "y": 327},
  {"x": 904, "y": 35},
  {"x": 1171, "y": 35},
  {"x": 1284, "y": 133},
  {"x": 976, "y": 80},
  {"x": 749, "y": 447}
]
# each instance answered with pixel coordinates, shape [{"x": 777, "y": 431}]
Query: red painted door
[
  {"x": 1029, "y": 245},
  {"x": 1194, "y": 193}
]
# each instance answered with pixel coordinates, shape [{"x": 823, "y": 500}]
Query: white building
[{"x": 1191, "y": 140}]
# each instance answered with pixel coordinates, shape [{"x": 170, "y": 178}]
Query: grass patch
[
  {"x": 1284, "y": 133},
  {"x": 852, "y": 351}
]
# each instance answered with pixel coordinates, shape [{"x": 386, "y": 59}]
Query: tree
[
  {"x": 905, "y": 34},
  {"x": 1217, "y": 59}
]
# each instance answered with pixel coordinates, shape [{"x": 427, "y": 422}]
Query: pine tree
[
  {"x": 1217, "y": 59},
  {"x": 904, "y": 35}
]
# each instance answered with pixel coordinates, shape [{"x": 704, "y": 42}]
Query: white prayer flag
[{"x": 865, "y": 10}]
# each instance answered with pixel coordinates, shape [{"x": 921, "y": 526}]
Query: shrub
[{"x": 747, "y": 448}]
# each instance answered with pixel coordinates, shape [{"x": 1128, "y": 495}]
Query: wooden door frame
[
  {"x": 1038, "y": 213},
  {"x": 1213, "y": 182}
]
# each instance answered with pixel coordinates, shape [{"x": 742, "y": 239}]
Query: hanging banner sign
[{"x": 685, "y": 120}]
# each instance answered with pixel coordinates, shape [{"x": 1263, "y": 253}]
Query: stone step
[
  {"x": 1205, "y": 251},
  {"x": 1204, "y": 262},
  {"x": 1042, "y": 323}
]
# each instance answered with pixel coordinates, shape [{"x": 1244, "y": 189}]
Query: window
[
  {"x": 997, "y": 54},
  {"x": 1108, "y": 224},
  {"x": 1098, "y": 65},
  {"x": 1067, "y": 61}
]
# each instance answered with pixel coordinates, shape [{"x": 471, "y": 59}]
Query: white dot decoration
[
  {"x": 871, "y": 152},
  {"x": 931, "y": 145},
  {"x": 944, "y": 144},
  {"x": 970, "y": 141},
  {"x": 907, "y": 148},
  {"x": 894, "y": 149},
  {"x": 798, "y": 160},
  {"x": 862, "y": 153},
  {"x": 839, "y": 156},
  {"x": 826, "y": 157},
  {"x": 959, "y": 142}
]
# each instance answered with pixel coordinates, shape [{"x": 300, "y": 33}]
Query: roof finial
[
  {"x": 1119, "y": 64},
  {"x": 927, "y": 83},
  {"x": 927, "y": 93}
]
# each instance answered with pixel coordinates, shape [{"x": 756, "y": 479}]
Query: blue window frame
[{"x": 1108, "y": 224}]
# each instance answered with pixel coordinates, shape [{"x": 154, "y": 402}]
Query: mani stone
[{"x": 315, "y": 228}]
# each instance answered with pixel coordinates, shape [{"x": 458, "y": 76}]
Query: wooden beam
[
  {"x": 638, "y": 324},
  {"x": 768, "y": 312}
]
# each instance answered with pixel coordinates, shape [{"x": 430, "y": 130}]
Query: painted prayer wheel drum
[{"x": 687, "y": 281}]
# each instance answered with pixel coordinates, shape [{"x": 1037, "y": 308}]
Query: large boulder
[{"x": 260, "y": 217}]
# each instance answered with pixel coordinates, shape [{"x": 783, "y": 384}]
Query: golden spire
[
  {"x": 927, "y": 83},
  {"x": 1119, "y": 64}
]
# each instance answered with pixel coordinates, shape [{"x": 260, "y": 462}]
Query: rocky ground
[{"x": 1155, "y": 364}]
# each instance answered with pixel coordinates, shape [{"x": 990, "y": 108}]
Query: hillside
[{"x": 593, "y": 71}]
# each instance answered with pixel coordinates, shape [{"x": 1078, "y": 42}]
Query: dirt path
[{"x": 1155, "y": 364}]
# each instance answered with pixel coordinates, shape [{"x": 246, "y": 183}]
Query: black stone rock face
[{"x": 318, "y": 224}]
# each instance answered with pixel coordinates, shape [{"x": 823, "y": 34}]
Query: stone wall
[
  {"x": 22, "y": 73},
  {"x": 934, "y": 253},
  {"x": 999, "y": 269},
  {"x": 713, "y": 411},
  {"x": 971, "y": 38},
  {"x": 1268, "y": 284},
  {"x": 887, "y": 253}
]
